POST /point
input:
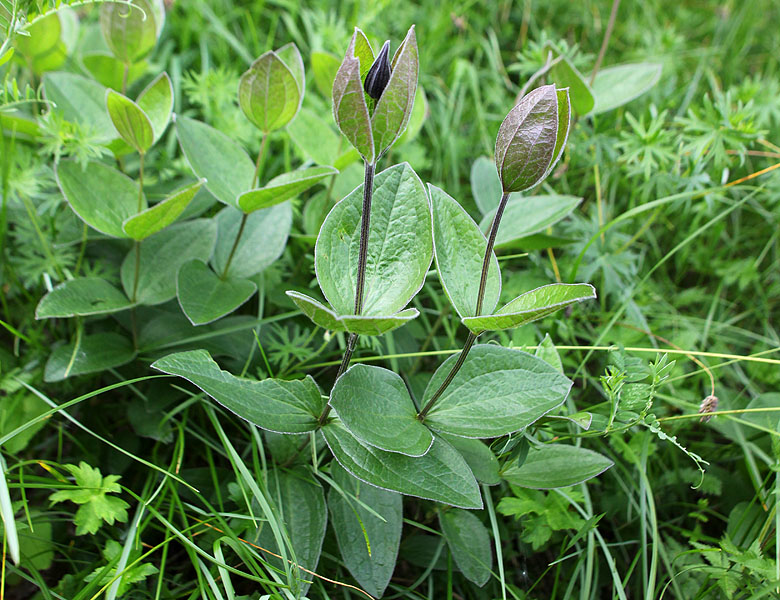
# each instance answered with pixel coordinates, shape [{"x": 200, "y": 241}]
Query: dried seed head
[
  {"x": 708, "y": 405},
  {"x": 379, "y": 73}
]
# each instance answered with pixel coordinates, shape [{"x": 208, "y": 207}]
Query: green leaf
[
  {"x": 92, "y": 494},
  {"x": 273, "y": 404},
  {"x": 394, "y": 108},
  {"x": 557, "y": 465},
  {"x": 531, "y": 306},
  {"x": 82, "y": 297},
  {"x": 130, "y": 121},
  {"x": 291, "y": 57},
  {"x": 315, "y": 138},
  {"x": 485, "y": 186},
  {"x": 460, "y": 250},
  {"x": 130, "y": 31},
  {"x": 204, "y": 297},
  {"x": 357, "y": 529},
  {"x": 316, "y": 311},
  {"x": 80, "y": 100},
  {"x": 374, "y": 404},
  {"x": 213, "y": 156},
  {"x": 325, "y": 317},
  {"x": 399, "y": 245},
  {"x": 564, "y": 124},
  {"x": 526, "y": 140},
  {"x": 262, "y": 241},
  {"x": 109, "y": 71},
  {"x": 378, "y": 325},
  {"x": 283, "y": 187},
  {"x": 43, "y": 35},
  {"x": 300, "y": 503},
  {"x": 162, "y": 254},
  {"x": 526, "y": 216},
  {"x": 440, "y": 475},
  {"x": 565, "y": 75},
  {"x": 480, "y": 459},
  {"x": 618, "y": 85},
  {"x": 420, "y": 112},
  {"x": 101, "y": 196},
  {"x": 268, "y": 93},
  {"x": 162, "y": 214},
  {"x": 133, "y": 572},
  {"x": 469, "y": 542},
  {"x": 547, "y": 351},
  {"x": 349, "y": 100},
  {"x": 95, "y": 353},
  {"x": 156, "y": 100},
  {"x": 325, "y": 66},
  {"x": 497, "y": 391}
]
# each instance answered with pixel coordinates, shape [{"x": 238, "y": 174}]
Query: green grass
[{"x": 678, "y": 231}]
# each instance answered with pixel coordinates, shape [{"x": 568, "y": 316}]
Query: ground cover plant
[{"x": 481, "y": 311}]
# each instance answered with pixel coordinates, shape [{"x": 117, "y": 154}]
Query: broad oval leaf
[
  {"x": 130, "y": 121},
  {"x": 325, "y": 66},
  {"x": 94, "y": 353},
  {"x": 325, "y": 317},
  {"x": 460, "y": 250},
  {"x": 557, "y": 465},
  {"x": 80, "y": 298},
  {"x": 316, "y": 311},
  {"x": 531, "y": 306},
  {"x": 273, "y": 404},
  {"x": 485, "y": 186},
  {"x": 392, "y": 112},
  {"x": 618, "y": 85},
  {"x": 162, "y": 214},
  {"x": 109, "y": 71},
  {"x": 525, "y": 216},
  {"x": 357, "y": 529},
  {"x": 156, "y": 100},
  {"x": 131, "y": 31},
  {"x": 283, "y": 187},
  {"x": 162, "y": 254},
  {"x": 262, "y": 241},
  {"x": 291, "y": 57},
  {"x": 565, "y": 75},
  {"x": 377, "y": 325},
  {"x": 374, "y": 404},
  {"x": 441, "y": 474},
  {"x": 497, "y": 391},
  {"x": 469, "y": 542},
  {"x": 300, "y": 503},
  {"x": 101, "y": 196},
  {"x": 213, "y": 156},
  {"x": 80, "y": 100},
  {"x": 479, "y": 457},
  {"x": 204, "y": 297},
  {"x": 268, "y": 93},
  {"x": 526, "y": 140},
  {"x": 399, "y": 245},
  {"x": 349, "y": 101}
]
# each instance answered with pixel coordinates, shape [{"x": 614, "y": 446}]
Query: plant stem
[
  {"x": 125, "y": 73},
  {"x": 259, "y": 160},
  {"x": 235, "y": 245},
  {"x": 480, "y": 298},
  {"x": 244, "y": 217},
  {"x": 141, "y": 183},
  {"x": 365, "y": 219},
  {"x": 605, "y": 43},
  {"x": 368, "y": 193}
]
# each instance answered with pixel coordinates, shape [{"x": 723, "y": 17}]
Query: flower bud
[
  {"x": 531, "y": 139},
  {"x": 379, "y": 73}
]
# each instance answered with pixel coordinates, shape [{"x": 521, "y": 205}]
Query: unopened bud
[{"x": 379, "y": 73}]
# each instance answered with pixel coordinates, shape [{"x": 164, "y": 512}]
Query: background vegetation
[{"x": 678, "y": 231}]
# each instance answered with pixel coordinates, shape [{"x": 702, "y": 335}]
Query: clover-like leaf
[
  {"x": 91, "y": 493},
  {"x": 527, "y": 140},
  {"x": 269, "y": 93}
]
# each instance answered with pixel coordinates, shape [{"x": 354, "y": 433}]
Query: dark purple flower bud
[{"x": 379, "y": 73}]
